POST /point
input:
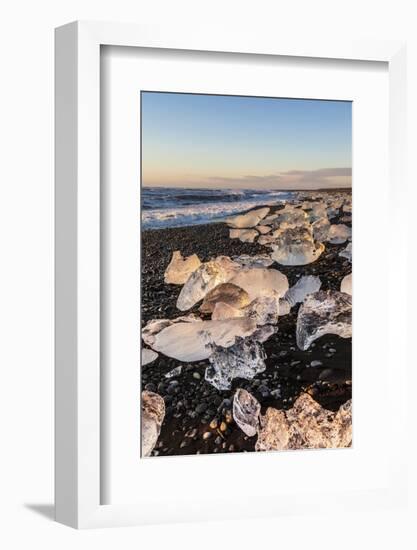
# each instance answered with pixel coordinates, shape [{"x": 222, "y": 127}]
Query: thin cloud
[{"x": 292, "y": 179}]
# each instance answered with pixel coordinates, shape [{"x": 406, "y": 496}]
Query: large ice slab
[
  {"x": 189, "y": 342},
  {"x": 204, "y": 279},
  {"x": 324, "y": 312},
  {"x": 156, "y": 325}
]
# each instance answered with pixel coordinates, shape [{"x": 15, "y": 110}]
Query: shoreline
[
  {"x": 192, "y": 403},
  {"x": 231, "y": 211}
]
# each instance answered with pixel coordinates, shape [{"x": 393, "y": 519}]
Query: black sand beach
[{"x": 198, "y": 416}]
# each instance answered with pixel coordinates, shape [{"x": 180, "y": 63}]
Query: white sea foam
[{"x": 201, "y": 209}]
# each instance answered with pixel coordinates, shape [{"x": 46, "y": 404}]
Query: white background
[{"x": 26, "y": 302}]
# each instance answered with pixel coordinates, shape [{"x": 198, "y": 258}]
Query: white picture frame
[{"x": 78, "y": 410}]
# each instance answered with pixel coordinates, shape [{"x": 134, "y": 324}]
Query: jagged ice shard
[
  {"x": 307, "y": 425},
  {"x": 179, "y": 268},
  {"x": 153, "y": 413},
  {"x": 324, "y": 312},
  {"x": 245, "y": 359}
]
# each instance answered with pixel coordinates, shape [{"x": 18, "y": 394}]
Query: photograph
[{"x": 246, "y": 274}]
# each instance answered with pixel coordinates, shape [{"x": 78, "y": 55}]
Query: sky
[{"x": 192, "y": 140}]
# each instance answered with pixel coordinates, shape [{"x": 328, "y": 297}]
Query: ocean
[{"x": 176, "y": 207}]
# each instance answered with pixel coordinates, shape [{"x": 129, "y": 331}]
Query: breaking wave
[{"x": 173, "y": 207}]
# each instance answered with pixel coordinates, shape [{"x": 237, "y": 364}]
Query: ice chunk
[
  {"x": 179, "y": 268},
  {"x": 246, "y": 411},
  {"x": 262, "y": 334},
  {"x": 264, "y": 310},
  {"x": 263, "y": 229},
  {"x": 235, "y": 233},
  {"x": 259, "y": 260},
  {"x": 250, "y": 219},
  {"x": 296, "y": 246},
  {"x": 307, "y": 284},
  {"x": 284, "y": 307},
  {"x": 188, "y": 341},
  {"x": 156, "y": 325},
  {"x": 227, "y": 293},
  {"x": 248, "y": 235},
  {"x": 153, "y": 413},
  {"x": 290, "y": 214},
  {"x": 148, "y": 355},
  {"x": 346, "y": 284},
  {"x": 266, "y": 240},
  {"x": 245, "y": 359},
  {"x": 332, "y": 212},
  {"x": 321, "y": 229},
  {"x": 339, "y": 233},
  {"x": 174, "y": 372},
  {"x": 347, "y": 207},
  {"x": 261, "y": 281},
  {"x": 324, "y": 312},
  {"x": 347, "y": 252},
  {"x": 204, "y": 279},
  {"x": 315, "y": 210},
  {"x": 268, "y": 219},
  {"x": 307, "y": 425},
  {"x": 244, "y": 235}
]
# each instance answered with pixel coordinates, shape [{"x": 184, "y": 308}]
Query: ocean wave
[{"x": 202, "y": 213}]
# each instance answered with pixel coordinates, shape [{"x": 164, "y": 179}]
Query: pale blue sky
[{"x": 230, "y": 141}]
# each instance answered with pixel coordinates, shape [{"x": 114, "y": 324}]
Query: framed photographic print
[{"x": 219, "y": 329}]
